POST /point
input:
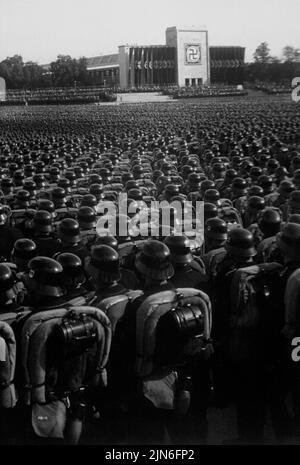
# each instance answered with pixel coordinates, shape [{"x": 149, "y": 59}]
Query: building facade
[
  {"x": 192, "y": 54},
  {"x": 227, "y": 64},
  {"x": 185, "y": 60}
]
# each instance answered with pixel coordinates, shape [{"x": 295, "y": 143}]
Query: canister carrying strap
[{"x": 6, "y": 384}]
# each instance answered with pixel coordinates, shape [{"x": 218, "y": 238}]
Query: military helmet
[
  {"x": 71, "y": 177},
  {"x": 286, "y": 187},
  {"x": 154, "y": 261},
  {"x": 212, "y": 196},
  {"x": 269, "y": 221},
  {"x": 272, "y": 165},
  {"x": 256, "y": 203},
  {"x": 104, "y": 264},
  {"x": 281, "y": 173},
  {"x": 96, "y": 190},
  {"x": 255, "y": 191},
  {"x": 89, "y": 200},
  {"x": 58, "y": 195},
  {"x": 45, "y": 277},
  {"x": 24, "y": 249},
  {"x": 171, "y": 190},
  {"x": 109, "y": 240},
  {"x": 216, "y": 229},
  {"x": 206, "y": 184},
  {"x": 135, "y": 194},
  {"x": 7, "y": 280},
  {"x": 288, "y": 241},
  {"x": 255, "y": 172},
  {"x": 23, "y": 198},
  {"x": 95, "y": 178},
  {"x": 47, "y": 205},
  {"x": 40, "y": 180},
  {"x": 266, "y": 182},
  {"x": 30, "y": 186},
  {"x": 131, "y": 184},
  {"x": 186, "y": 170},
  {"x": 231, "y": 174},
  {"x": 239, "y": 186},
  {"x": 42, "y": 221},
  {"x": 210, "y": 211},
  {"x": 86, "y": 217},
  {"x": 294, "y": 201},
  {"x": 19, "y": 177},
  {"x": 73, "y": 270},
  {"x": 69, "y": 231},
  {"x": 240, "y": 243},
  {"x": 127, "y": 177},
  {"x": 180, "y": 249},
  {"x": 219, "y": 169}
]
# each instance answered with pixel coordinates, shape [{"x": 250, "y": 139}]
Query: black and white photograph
[{"x": 149, "y": 226}]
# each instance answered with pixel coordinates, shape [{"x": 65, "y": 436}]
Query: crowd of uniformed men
[{"x": 242, "y": 158}]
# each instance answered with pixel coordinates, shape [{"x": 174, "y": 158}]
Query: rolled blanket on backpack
[{"x": 8, "y": 398}]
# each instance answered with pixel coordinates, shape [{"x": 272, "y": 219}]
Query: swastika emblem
[{"x": 192, "y": 54}]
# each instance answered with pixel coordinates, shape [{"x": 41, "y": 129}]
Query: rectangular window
[
  {"x": 193, "y": 82},
  {"x": 187, "y": 82}
]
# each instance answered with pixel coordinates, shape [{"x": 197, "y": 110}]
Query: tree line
[{"x": 66, "y": 71}]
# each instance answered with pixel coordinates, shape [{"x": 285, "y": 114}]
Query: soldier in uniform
[
  {"x": 8, "y": 235},
  {"x": 292, "y": 205},
  {"x": 24, "y": 250},
  {"x": 103, "y": 267},
  {"x": 87, "y": 222},
  {"x": 269, "y": 224},
  {"x": 46, "y": 244},
  {"x": 69, "y": 236},
  {"x": 188, "y": 270},
  {"x": 240, "y": 251},
  {"x": 215, "y": 234},
  {"x": 254, "y": 205},
  {"x": 10, "y": 297},
  {"x": 74, "y": 279},
  {"x": 44, "y": 284}
]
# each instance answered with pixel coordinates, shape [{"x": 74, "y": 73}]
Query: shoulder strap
[
  {"x": 147, "y": 316},
  {"x": 114, "y": 307}
]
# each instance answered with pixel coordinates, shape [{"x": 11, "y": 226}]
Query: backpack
[
  {"x": 65, "y": 212},
  {"x": 188, "y": 310},
  {"x": 64, "y": 352},
  {"x": 212, "y": 259},
  {"x": 88, "y": 238},
  {"x": 114, "y": 307},
  {"x": 127, "y": 251},
  {"x": 265, "y": 249},
  {"x": 172, "y": 330},
  {"x": 20, "y": 216},
  {"x": 8, "y": 354},
  {"x": 256, "y": 314}
]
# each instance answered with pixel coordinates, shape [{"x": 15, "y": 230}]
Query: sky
[{"x": 39, "y": 30}]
